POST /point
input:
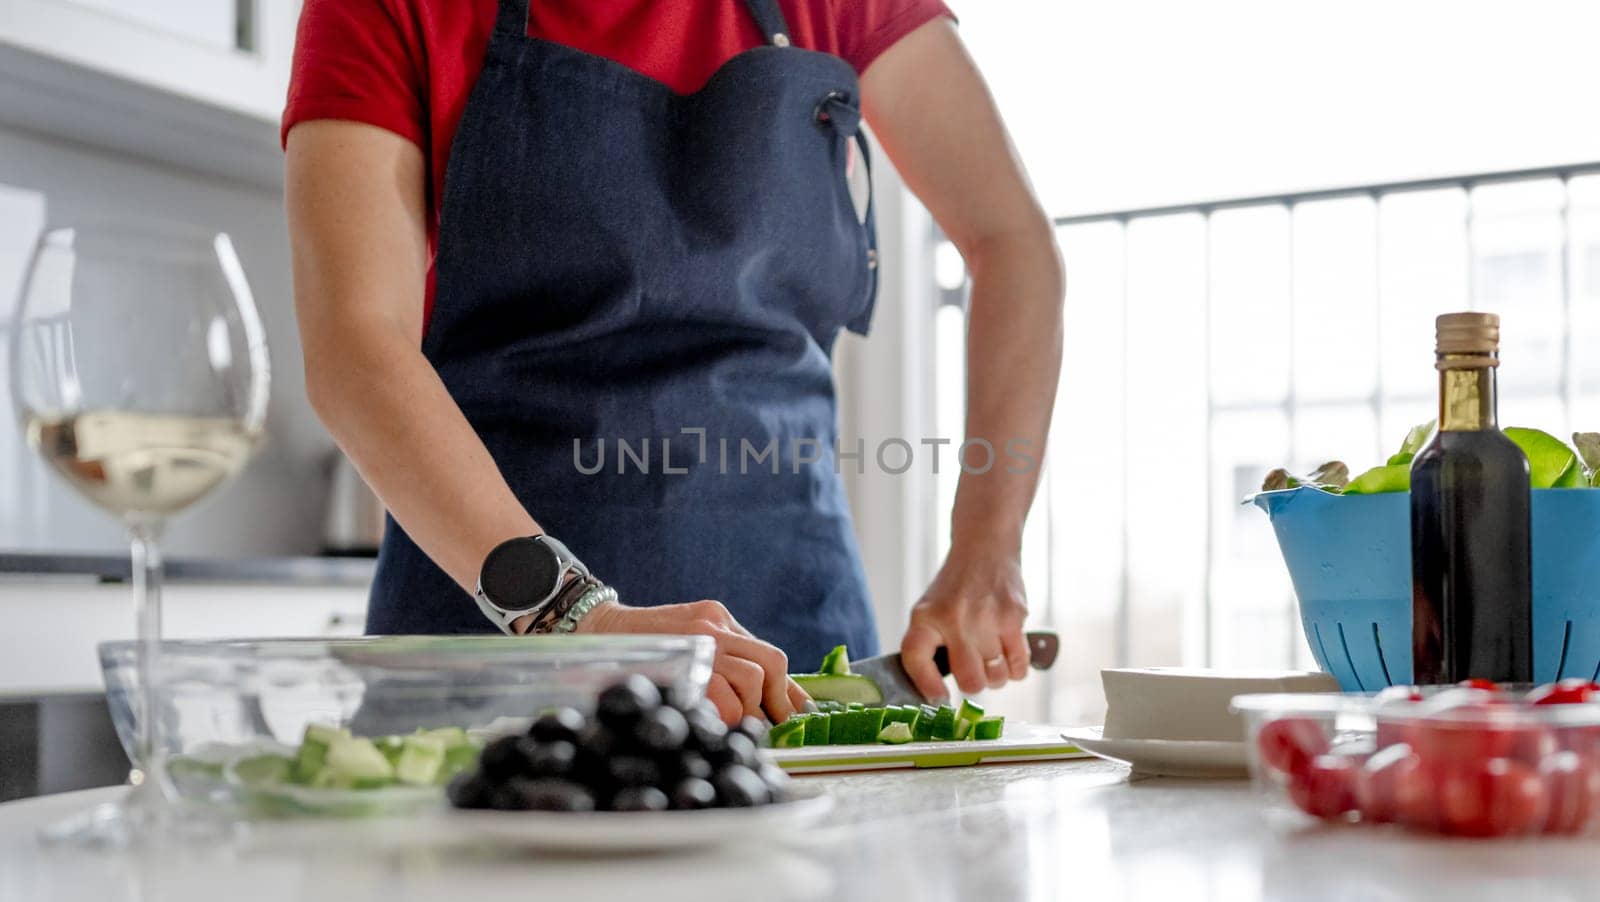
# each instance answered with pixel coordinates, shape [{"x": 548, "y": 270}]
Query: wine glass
[{"x": 139, "y": 373}]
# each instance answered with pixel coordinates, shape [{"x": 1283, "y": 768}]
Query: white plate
[
  {"x": 610, "y": 831},
  {"x": 1165, "y": 757}
]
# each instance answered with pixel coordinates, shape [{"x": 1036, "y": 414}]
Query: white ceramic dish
[
  {"x": 1165, "y": 757},
  {"x": 605, "y": 831}
]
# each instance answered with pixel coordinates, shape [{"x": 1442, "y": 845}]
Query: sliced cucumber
[
  {"x": 421, "y": 759},
  {"x": 944, "y": 724},
  {"x": 922, "y": 727},
  {"x": 817, "y": 729},
  {"x": 989, "y": 727},
  {"x": 967, "y": 715},
  {"x": 352, "y": 759},
  {"x": 835, "y": 662},
  {"x": 846, "y": 687},
  {"x": 790, "y": 734},
  {"x": 895, "y": 733},
  {"x": 906, "y": 714}
]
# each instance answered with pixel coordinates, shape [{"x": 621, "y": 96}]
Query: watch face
[{"x": 519, "y": 574}]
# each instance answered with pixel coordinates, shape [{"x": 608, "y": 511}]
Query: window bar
[
  {"x": 1125, "y": 579},
  {"x": 1207, "y": 597},
  {"x": 1377, "y": 323},
  {"x": 1569, "y": 388},
  {"x": 1291, "y": 405}
]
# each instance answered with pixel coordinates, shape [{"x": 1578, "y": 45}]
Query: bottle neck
[{"x": 1466, "y": 394}]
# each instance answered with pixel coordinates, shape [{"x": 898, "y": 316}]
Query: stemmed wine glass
[{"x": 139, "y": 373}]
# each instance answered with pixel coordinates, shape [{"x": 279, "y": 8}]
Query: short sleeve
[
  {"x": 866, "y": 28},
  {"x": 358, "y": 60}
]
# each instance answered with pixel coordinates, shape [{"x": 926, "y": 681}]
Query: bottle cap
[{"x": 1468, "y": 333}]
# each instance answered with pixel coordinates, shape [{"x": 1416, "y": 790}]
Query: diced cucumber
[
  {"x": 318, "y": 732},
  {"x": 817, "y": 729},
  {"x": 351, "y": 759},
  {"x": 835, "y": 662},
  {"x": 906, "y": 714},
  {"x": 869, "y": 724},
  {"x": 989, "y": 727},
  {"x": 391, "y": 747},
  {"x": 922, "y": 727},
  {"x": 944, "y": 723},
  {"x": 963, "y": 727},
  {"x": 895, "y": 733},
  {"x": 449, "y": 736},
  {"x": 845, "y": 687},
  {"x": 313, "y": 754},
  {"x": 421, "y": 759},
  {"x": 263, "y": 770},
  {"x": 855, "y": 706},
  {"x": 457, "y": 759},
  {"x": 790, "y": 734},
  {"x": 967, "y": 715}
]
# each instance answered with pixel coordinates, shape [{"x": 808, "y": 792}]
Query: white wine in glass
[{"x": 139, "y": 372}]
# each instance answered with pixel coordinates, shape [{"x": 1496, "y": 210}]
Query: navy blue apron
[{"x": 637, "y": 297}]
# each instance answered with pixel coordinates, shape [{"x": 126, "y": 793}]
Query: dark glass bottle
[{"x": 1471, "y": 551}]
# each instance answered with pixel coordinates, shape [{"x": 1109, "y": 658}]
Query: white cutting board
[{"x": 1021, "y": 742}]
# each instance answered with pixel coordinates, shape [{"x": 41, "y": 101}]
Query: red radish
[
  {"x": 1480, "y": 683},
  {"x": 1288, "y": 744},
  {"x": 1326, "y": 788}
]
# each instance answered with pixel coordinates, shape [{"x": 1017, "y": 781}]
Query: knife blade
[{"x": 889, "y": 673}]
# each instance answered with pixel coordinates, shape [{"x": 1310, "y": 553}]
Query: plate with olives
[{"x": 641, "y": 773}]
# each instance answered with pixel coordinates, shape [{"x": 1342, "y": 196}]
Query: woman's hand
[
  {"x": 975, "y": 608},
  {"x": 748, "y": 674}
]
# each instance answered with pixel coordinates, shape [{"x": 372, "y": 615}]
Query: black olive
[
  {"x": 778, "y": 781},
  {"x": 639, "y": 798},
  {"x": 661, "y": 730},
  {"x": 740, "y": 787},
  {"x": 621, "y": 705},
  {"x": 737, "y": 749},
  {"x": 706, "y": 729},
  {"x": 468, "y": 790},
  {"x": 632, "y": 770},
  {"x": 755, "y": 728},
  {"x": 557, "y": 725},
  {"x": 552, "y": 759},
  {"x": 692, "y": 794},
  {"x": 693, "y": 764},
  {"x": 551, "y": 795},
  {"x": 505, "y": 758}
]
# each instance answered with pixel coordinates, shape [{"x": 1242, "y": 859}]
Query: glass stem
[{"x": 143, "y": 538}]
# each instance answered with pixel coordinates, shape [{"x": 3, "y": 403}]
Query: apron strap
[
  {"x": 769, "y": 16},
  {"x": 838, "y": 111},
  {"x": 512, "y": 19}
]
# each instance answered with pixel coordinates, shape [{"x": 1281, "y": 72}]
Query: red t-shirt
[{"x": 409, "y": 65}]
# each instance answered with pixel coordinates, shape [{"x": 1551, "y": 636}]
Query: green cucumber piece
[
  {"x": 906, "y": 714},
  {"x": 816, "y": 732},
  {"x": 313, "y": 753},
  {"x": 895, "y": 733},
  {"x": 846, "y": 687},
  {"x": 421, "y": 759},
  {"x": 835, "y": 662},
  {"x": 457, "y": 759},
  {"x": 989, "y": 727},
  {"x": 944, "y": 724},
  {"x": 922, "y": 727},
  {"x": 839, "y": 727},
  {"x": 790, "y": 734},
  {"x": 263, "y": 770},
  {"x": 351, "y": 759},
  {"x": 967, "y": 715},
  {"x": 391, "y": 747},
  {"x": 449, "y": 736}
]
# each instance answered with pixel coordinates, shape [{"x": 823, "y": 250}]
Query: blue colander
[{"x": 1349, "y": 557}]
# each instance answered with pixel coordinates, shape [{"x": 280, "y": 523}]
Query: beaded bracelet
[{"x": 595, "y": 596}]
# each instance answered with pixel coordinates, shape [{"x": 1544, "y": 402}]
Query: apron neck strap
[
  {"x": 512, "y": 18},
  {"x": 769, "y": 16}
]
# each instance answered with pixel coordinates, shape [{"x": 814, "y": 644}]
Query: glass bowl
[
  {"x": 1455, "y": 761},
  {"x": 222, "y": 703}
]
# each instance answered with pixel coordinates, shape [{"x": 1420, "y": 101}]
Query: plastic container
[
  {"x": 221, "y": 702},
  {"x": 1349, "y": 557},
  {"x": 1459, "y": 762}
]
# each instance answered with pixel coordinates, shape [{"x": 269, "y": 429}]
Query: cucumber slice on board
[
  {"x": 989, "y": 727},
  {"x": 835, "y": 662},
  {"x": 922, "y": 727},
  {"x": 906, "y": 714},
  {"x": 967, "y": 715},
  {"x": 790, "y": 734},
  {"x": 895, "y": 733},
  {"x": 421, "y": 760},
  {"x": 816, "y": 732},
  {"x": 944, "y": 724},
  {"x": 845, "y": 687}
]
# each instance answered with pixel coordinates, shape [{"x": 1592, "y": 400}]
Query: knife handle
[{"x": 1043, "y": 645}]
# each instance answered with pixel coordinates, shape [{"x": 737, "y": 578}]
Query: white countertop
[{"x": 1075, "y": 830}]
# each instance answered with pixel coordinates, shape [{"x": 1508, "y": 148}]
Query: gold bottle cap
[{"x": 1468, "y": 333}]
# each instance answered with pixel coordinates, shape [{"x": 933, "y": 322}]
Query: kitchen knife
[{"x": 890, "y": 674}]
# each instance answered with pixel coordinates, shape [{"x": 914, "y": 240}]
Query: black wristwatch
[{"x": 522, "y": 574}]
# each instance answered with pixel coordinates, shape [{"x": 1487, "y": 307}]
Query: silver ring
[{"x": 996, "y": 661}]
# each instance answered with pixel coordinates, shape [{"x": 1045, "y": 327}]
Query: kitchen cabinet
[
  {"x": 231, "y": 54},
  {"x": 54, "y": 624}
]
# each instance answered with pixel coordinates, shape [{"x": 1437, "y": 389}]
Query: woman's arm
[
  {"x": 933, "y": 114},
  {"x": 356, "y": 209}
]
